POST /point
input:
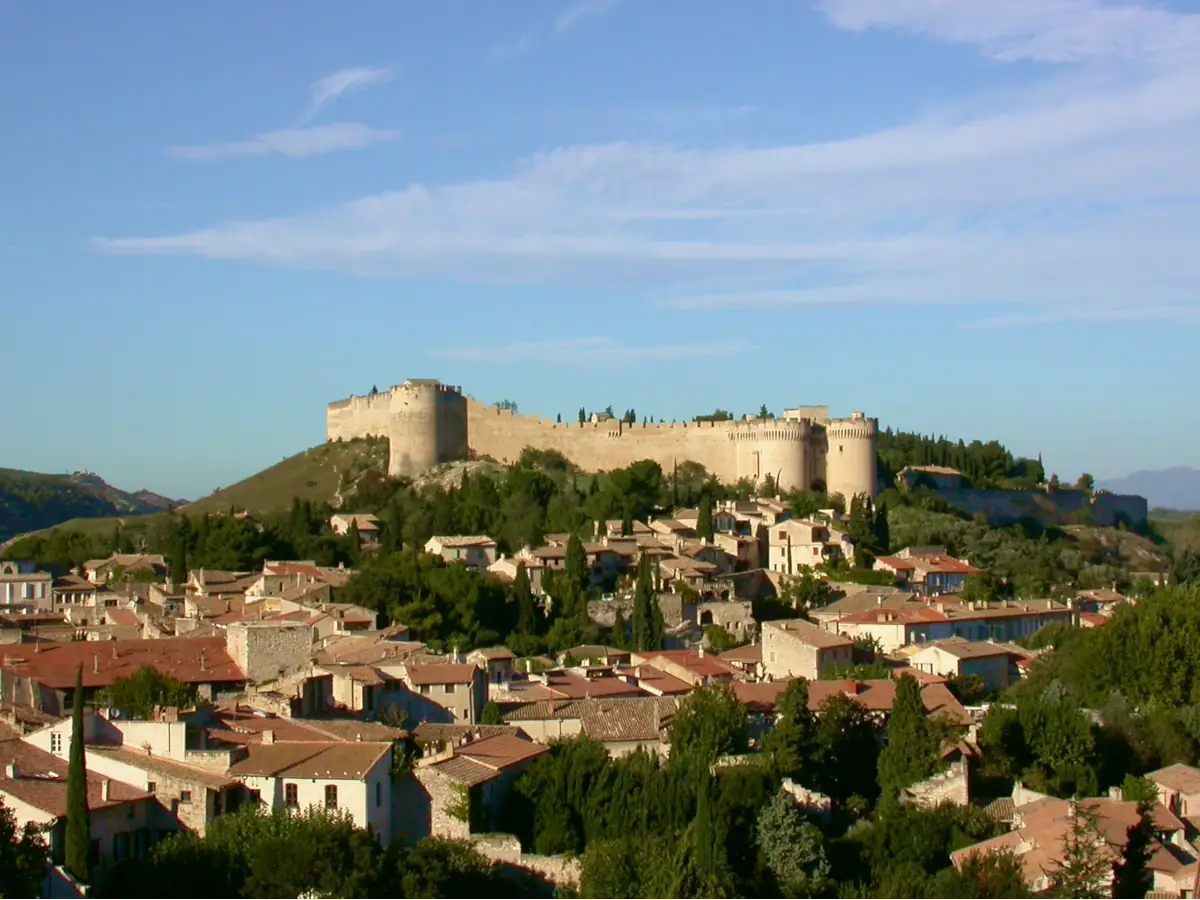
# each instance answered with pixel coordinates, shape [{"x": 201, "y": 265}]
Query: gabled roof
[
  {"x": 1178, "y": 777},
  {"x": 340, "y": 760},
  {"x": 614, "y": 719},
  {"x": 481, "y": 761},
  {"x": 192, "y": 660},
  {"x": 441, "y": 673},
  {"x": 810, "y": 634},
  {"x": 462, "y": 540},
  {"x": 41, "y": 780}
]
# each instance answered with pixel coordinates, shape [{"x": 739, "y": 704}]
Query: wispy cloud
[
  {"x": 582, "y": 351},
  {"x": 325, "y": 91},
  {"x": 1079, "y": 193},
  {"x": 1185, "y": 315},
  {"x": 507, "y": 49},
  {"x": 579, "y": 12},
  {"x": 294, "y": 142}
]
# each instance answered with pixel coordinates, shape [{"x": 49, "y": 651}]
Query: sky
[{"x": 963, "y": 217}]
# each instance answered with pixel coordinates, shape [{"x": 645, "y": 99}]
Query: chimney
[
  {"x": 702, "y": 651},
  {"x": 96, "y": 664},
  {"x": 358, "y": 737},
  {"x": 11, "y": 771},
  {"x": 202, "y": 664},
  {"x": 268, "y": 736},
  {"x": 106, "y": 790}
]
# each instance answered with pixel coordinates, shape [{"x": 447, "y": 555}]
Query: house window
[
  {"x": 331, "y": 796},
  {"x": 379, "y": 793},
  {"x": 55, "y": 742},
  {"x": 185, "y": 796},
  {"x": 291, "y": 796},
  {"x": 152, "y": 787}
]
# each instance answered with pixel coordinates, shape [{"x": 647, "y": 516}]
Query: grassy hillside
[
  {"x": 31, "y": 501},
  {"x": 322, "y": 473},
  {"x": 1181, "y": 529}
]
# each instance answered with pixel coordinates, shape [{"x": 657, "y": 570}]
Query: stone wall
[
  {"x": 674, "y": 608},
  {"x": 444, "y": 795},
  {"x": 951, "y": 786},
  {"x": 506, "y": 850},
  {"x": 427, "y": 423},
  {"x": 269, "y": 650}
]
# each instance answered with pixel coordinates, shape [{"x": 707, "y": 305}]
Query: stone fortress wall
[{"x": 428, "y": 423}]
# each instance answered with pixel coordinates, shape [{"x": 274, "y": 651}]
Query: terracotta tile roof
[
  {"x": 433, "y": 732},
  {"x": 441, "y": 673},
  {"x": 464, "y": 540},
  {"x": 705, "y": 665},
  {"x": 596, "y": 651},
  {"x": 121, "y": 617},
  {"x": 943, "y": 565},
  {"x": 105, "y": 661},
  {"x": 353, "y": 729},
  {"x": 747, "y": 653},
  {"x": 163, "y": 766},
  {"x": 568, "y": 686},
  {"x": 493, "y": 653},
  {"x": 914, "y": 616},
  {"x": 41, "y": 781},
  {"x": 1178, "y": 777},
  {"x": 308, "y": 570},
  {"x": 896, "y": 563},
  {"x": 481, "y": 761},
  {"x": 964, "y": 649},
  {"x": 367, "y": 650},
  {"x": 1092, "y": 620},
  {"x": 876, "y": 695},
  {"x": 810, "y": 634},
  {"x": 243, "y": 725},
  {"x": 341, "y": 760},
  {"x": 610, "y": 719},
  {"x": 659, "y": 683},
  {"x": 1037, "y": 839}
]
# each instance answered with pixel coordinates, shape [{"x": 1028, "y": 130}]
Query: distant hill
[
  {"x": 1175, "y": 488},
  {"x": 31, "y": 501},
  {"x": 322, "y": 473}
]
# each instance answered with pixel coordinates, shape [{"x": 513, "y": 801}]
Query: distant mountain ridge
[
  {"x": 30, "y": 501},
  {"x": 1174, "y": 488}
]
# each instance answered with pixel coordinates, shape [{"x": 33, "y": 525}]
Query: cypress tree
[
  {"x": 643, "y": 599},
  {"x": 575, "y": 564},
  {"x": 1131, "y": 874},
  {"x": 704, "y": 525},
  {"x": 179, "y": 569},
  {"x": 911, "y": 754},
  {"x": 619, "y": 637},
  {"x": 883, "y": 532},
  {"x": 526, "y": 612},
  {"x": 627, "y": 524},
  {"x": 79, "y": 826}
]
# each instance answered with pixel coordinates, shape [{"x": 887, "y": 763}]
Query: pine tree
[
  {"x": 79, "y": 826},
  {"x": 1082, "y": 871},
  {"x": 526, "y": 610},
  {"x": 1131, "y": 874},
  {"x": 704, "y": 524},
  {"x": 911, "y": 754}
]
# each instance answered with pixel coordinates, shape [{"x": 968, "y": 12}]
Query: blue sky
[{"x": 972, "y": 218}]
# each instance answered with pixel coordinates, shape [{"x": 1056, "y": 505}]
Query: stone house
[
  {"x": 1039, "y": 828},
  {"x": 369, "y": 526},
  {"x": 101, "y": 571},
  {"x": 152, "y": 756},
  {"x": 125, "y": 820},
  {"x": 1178, "y": 789},
  {"x": 794, "y": 648},
  {"x": 747, "y": 660},
  {"x": 477, "y": 551},
  {"x": 743, "y": 549},
  {"x": 956, "y": 657},
  {"x": 622, "y": 724},
  {"x": 950, "y": 617},
  {"x": 456, "y": 690},
  {"x": 498, "y": 663},
  {"x": 28, "y": 590},
  {"x": 927, "y": 571},
  {"x": 334, "y": 775},
  {"x": 459, "y": 789},
  {"x": 505, "y": 568},
  {"x": 794, "y": 545},
  {"x": 695, "y": 667}
]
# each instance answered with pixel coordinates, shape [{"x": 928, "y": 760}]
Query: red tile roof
[
  {"x": 441, "y": 673},
  {"x": 41, "y": 780},
  {"x": 340, "y": 760},
  {"x": 105, "y": 661},
  {"x": 296, "y": 569},
  {"x": 896, "y": 563},
  {"x": 694, "y": 661},
  {"x": 877, "y": 695}
]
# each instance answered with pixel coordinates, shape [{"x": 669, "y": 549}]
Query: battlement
[{"x": 427, "y": 422}]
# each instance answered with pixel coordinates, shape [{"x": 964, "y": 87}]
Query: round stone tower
[
  {"x": 774, "y": 447},
  {"x": 850, "y": 467},
  {"x": 418, "y": 426}
]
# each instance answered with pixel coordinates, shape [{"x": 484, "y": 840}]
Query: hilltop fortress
[{"x": 427, "y": 423}]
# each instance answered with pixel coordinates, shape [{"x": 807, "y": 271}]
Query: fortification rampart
[{"x": 428, "y": 423}]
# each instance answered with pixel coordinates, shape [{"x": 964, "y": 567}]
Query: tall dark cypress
[{"x": 79, "y": 825}]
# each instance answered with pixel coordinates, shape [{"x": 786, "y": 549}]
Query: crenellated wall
[{"x": 429, "y": 423}]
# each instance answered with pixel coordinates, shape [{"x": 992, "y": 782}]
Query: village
[{"x": 303, "y": 701}]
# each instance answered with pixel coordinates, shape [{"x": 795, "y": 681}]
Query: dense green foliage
[
  {"x": 988, "y": 464},
  {"x": 253, "y": 853},
  {"x": 147, "y": 688},
  {"x": 23, "y": 854},
  {"x": 31, "y": 500}
]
